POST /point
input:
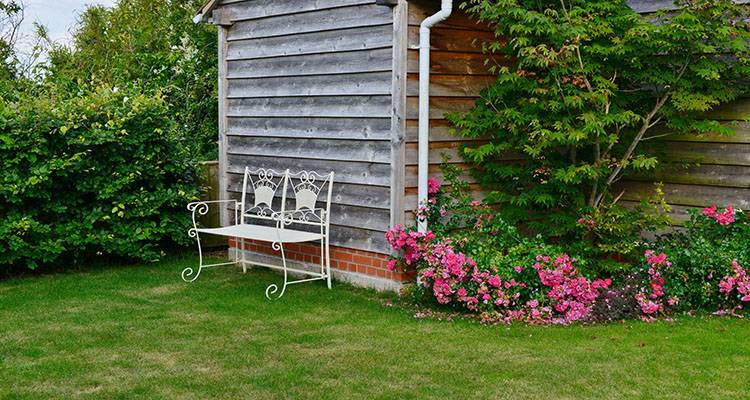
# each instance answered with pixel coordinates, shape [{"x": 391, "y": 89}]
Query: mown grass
[{"x": 139, "y": 331}]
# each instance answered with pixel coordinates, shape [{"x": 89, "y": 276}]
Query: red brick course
[{"x": 342, "y": 258}]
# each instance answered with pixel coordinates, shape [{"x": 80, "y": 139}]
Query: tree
[
  {"x": 155, "y": 46},
  {"x": 592, "y": 80},
  {"x": 11, "y": 16}
]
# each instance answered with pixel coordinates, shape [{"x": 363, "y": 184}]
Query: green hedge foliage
[{"x": 90, "y": 171}]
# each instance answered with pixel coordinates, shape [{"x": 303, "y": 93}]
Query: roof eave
[{"x": 204, "y": 13}]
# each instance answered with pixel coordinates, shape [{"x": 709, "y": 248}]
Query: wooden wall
[
  {"x": 458, "y": 72},
  {"x": 703, "y": 170},
  {"x": 308, "y": 86}
]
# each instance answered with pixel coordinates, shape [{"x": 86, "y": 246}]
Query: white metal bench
[{"x": 261, "y": 220}]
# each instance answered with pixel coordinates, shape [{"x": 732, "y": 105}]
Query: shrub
[
  {"x": 703, "y": 253},
  {"x": 484, "y": 266},
  {"x": 91, "y": 171},
  {"x": 590, "y": 81},
  {"x": 736, "y": 287},
  {"x": 156, "y": 45}
]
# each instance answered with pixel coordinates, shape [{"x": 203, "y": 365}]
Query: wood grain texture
[
  {"x": 375, "y": 37},
  {"x": 372, "y": 174},
  {"x": 313, "y": 149},
  {"x": 421, "y": 9},
  {"x": 450, "y": 85},
  {"x": 313, "y": 21},
  {"x": 737, "y": 154},
  {"x": 366, "y": 83},
  {"x": 330, "y": 106},
  {"x": 222, "y": 142},
  {"x": 452, "y": 63},
  {"x": 309, "y": 87},
  {"x": 458, "y": 72},
  {"x": 311, "y": 127},
  {"x": 688, "y": 195},
  {"x": 255, "y": 9},
  {"x": 343, "y": 193},
  {"x": 703, "y": 174},
  {"x": 398, "y": 111},
  {"x": 342, "y": 62},
  {"x": 450, "y": 39}
]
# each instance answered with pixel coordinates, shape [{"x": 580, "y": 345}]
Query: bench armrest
[{"x": 201, "y": 208}]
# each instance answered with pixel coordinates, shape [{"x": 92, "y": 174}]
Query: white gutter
[{"x": 424, "y": 101}]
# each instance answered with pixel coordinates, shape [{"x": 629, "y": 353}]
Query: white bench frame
[{"x": 279, "y": 225}]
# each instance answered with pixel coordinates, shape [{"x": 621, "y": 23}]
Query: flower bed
[{"x": 476, "y": 263}]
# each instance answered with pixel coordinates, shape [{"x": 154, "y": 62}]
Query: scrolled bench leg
[
  {"x": 273, "y": 288},
  {"x": 189, "y": 274}
]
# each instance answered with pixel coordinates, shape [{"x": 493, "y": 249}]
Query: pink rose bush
[
  {"x": 650, "y": 298},
  {"x": 724, "y": 218},
  {"x": 736, "y": 285},
  {"x": 474, "y": 261},
  {"x": 571, "y": 295},
  {"x": 560, "y": 294}
]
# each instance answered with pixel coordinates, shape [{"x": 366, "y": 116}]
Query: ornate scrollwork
[
  {"x": 264, "y": 185},
  {"x": 272, "y": 289},
  {"x": 187, "y": 272}
]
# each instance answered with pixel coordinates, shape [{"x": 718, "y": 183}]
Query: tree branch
[{"x": 637, "y": 139}]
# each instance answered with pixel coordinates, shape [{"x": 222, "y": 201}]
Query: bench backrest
[{"x": 306, "y": 188}]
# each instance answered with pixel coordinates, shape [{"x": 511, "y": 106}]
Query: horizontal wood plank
[
  {"x": 369, "y": 83},
  {"x": 705, "y": 153},
  {"x": 439, "y": 106},
  {"x": 736, "y": 110},
  {"x": 452, "y": 63},
  {"x": 318, "y": 149},
  {"x": 312, "y": 21},
  {"x": 254, "y": 9},
  {"x": 742, "y": 135},
  {"x": 331, "y": 106},
  {"x": 419, "y": 10},
  {"x": 455, "y": 40},
  {"x": 450, "y": 85},
  {"x": 371, "y": 37},
  {"x": 687, "y": 195},
  {"x": 411, "y": 174},
  {"x": 313, "y": 128},
  {"x": 346, "y": 215},
  {"x": 704, "y": 174},
  {"x": 343, "y": 193},
  {"x": 373, "y": 174},
  {"x": 344, "y": 62}
]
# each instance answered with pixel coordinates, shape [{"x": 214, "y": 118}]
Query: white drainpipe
[{"x": 424, "y": 101}]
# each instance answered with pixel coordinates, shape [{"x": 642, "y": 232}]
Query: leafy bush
[
  {"x": 592, "y": 80},
  {"x": 90, "y": 171},
  {"x": 156, "y": 45},
  {"x": 703, "y": 253}
]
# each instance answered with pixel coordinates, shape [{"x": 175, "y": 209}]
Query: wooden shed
[{"x": 334, "y": 84}]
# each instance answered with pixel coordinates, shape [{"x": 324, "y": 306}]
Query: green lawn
[{"x": 140, "y": 331}]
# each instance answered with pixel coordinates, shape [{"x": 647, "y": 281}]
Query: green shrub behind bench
[{"x": 90, "y": 171}]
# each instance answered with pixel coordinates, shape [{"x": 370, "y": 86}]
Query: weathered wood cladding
[
  {"x": 333, "y": 85},
  {"x": 458, "y": 72},
  {"x": 701, "y": 170},
  {"x": 308, "y": 86}
]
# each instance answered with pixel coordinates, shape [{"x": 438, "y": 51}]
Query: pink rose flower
[{"x": 433, "y": 186}]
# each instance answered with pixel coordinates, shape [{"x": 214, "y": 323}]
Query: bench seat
[{"x": 264, "y": 233}]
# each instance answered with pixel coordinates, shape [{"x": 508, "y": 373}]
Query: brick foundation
[{"x": 343, "y": 260}]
